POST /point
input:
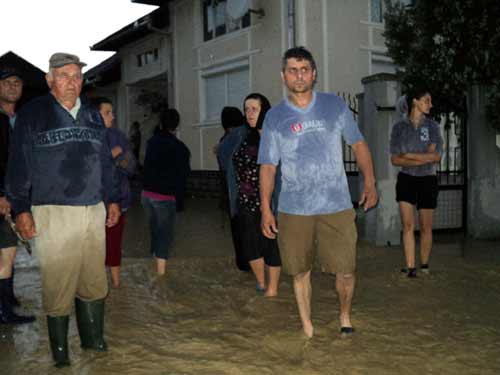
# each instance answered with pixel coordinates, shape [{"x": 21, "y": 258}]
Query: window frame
[
  {"x": 223, "y": 29},
  {"x": 226, "y": 69}
]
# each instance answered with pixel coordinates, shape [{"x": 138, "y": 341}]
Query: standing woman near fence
[{"x": 416, "y": 147}]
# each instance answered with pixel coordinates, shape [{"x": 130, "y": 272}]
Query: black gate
[
  {"x": 452, "y": 174},
  {"x": 350, "y": 166}
]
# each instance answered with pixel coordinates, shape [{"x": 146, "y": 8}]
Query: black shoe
[
  {"x": 424, "y": 268},
  {"x": 346, "y": 330},
  {"x": 410, "y": 272}
]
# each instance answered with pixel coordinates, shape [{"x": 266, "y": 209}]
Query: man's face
[
  {"x": 11, "y": 89},
  {"x": 65, "y": 83},
  {"x": 106, "y": 111},
  {"x": 298, "y": 76}
]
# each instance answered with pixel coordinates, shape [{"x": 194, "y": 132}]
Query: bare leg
[
  {"x": 344, "y": 284},
  {"x": 425, "y": 221},
  {"x": 303, "y": 292},
  {"x": 257, "y": 267},
  {"x": 115, "y": 276},
  {"x": 161, "y": 266},
  {"x": 7, "y": 256},
  {"x": 273, "y": 281},
  {"x": 408, "y": 223}
]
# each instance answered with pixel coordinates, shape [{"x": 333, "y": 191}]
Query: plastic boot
[
  {"x": 7, "y": 315},
  {"x": 58, "y": 335},
  {"x": 13, "y": 300},
  {"x": 90, "y": 322}
]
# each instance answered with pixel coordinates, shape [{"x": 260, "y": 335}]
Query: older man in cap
[
  {"x": 11, "y": 88},
  {"x": 58, "y": 173}
]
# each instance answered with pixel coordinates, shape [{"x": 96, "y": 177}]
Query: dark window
[
  {"x": 148, "y": 57},
  {"x": 215, "y": 22}
]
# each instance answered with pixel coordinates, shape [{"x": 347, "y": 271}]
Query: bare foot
[
  {"x": 345, "y": 321},
  {"x": 161, "y": 266},
  {"x": 308, "y": 330},
  {"x": 115, "y": 276},
  {"x": 271, "y": 293}
]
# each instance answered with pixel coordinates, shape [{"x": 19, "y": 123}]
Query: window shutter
[{"x": 238, "y": 87}]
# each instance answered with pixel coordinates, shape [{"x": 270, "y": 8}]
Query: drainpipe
[{"x": 291, "y": 23}]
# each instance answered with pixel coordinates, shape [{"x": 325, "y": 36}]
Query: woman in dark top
[
  {"x": 238, "y": 154},
  {"x": 166, "y": 169},
  {"x": 126, "y": 164},
  {"x": 416, "y": 146}
]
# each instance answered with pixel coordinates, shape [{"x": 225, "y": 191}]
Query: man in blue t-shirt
[{"x": 304, "y": 135}]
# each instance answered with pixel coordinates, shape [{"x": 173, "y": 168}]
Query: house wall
[{"x": 337, "y": 32}]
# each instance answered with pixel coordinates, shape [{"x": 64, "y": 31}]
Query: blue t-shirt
[
  {"x": 405, "y": 138},
  {"x": 308, "y": 143}
]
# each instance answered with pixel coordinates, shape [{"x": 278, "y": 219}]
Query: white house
[{"x": 201, "y": 55}]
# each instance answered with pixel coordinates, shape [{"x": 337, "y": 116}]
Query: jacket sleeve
[
  {"x": 126, "y": 163},
  {"x": 110, "y": 177},
  {"x": 19, "y": 168},
  {"x": 228, "y": 145},
  {"x": 4, "y": 154}
]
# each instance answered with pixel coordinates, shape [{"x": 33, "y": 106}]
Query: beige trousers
[{"x": 71, "y": 248}]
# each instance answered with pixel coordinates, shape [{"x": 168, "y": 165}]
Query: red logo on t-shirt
[{"x": 296, "y": 128}]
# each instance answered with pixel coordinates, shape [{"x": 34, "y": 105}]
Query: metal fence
[
  {"x": 350, "y": 165},
  {"x": 452, "y": 174}
]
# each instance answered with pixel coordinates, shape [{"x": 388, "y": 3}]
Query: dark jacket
[
  {"x": 57, "y": 160},
  {"x": 4, "y": 148},
  {"x": 166, "y": 165},
  {"x": 225, "y": 152},
  {"x": 125, "y": 164}
]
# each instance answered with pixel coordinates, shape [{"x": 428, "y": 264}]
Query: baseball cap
[
  {"x": 60, "y": 59},
  {"x": 6, "y": 72}
]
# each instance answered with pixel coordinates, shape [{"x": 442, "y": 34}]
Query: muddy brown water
[{"x": 205, "y": 317}]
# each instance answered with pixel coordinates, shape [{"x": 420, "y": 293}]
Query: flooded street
[{"x": 204, "y": 316}]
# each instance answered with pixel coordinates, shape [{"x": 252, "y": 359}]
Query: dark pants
[{"x": 161, "y": 216}]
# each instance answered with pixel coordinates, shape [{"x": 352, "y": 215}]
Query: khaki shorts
[{"x": 332, "y": 236}]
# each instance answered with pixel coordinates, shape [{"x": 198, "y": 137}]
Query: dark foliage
[{"x": 448, "y": 45}]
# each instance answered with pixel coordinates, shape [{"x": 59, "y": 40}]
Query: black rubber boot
[
  {"x": 10, "y": 294},
  {"x": 90, "y": 322},
  {"x": 58, "y": 335},
  {"x": 7, "y": 315}
]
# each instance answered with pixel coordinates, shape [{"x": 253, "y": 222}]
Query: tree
[{"x": 447, "y": 45}]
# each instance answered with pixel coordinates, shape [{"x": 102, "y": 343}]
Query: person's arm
[
  {"x": 110, "y": 181},
  {"x": 411, "y": 159},
  {"x": 431, "y": 156},
  {"x": 267, "y": 176},
  {"x": 363, "y": 156},
  {"x": 18, "y": 177},
  {"x": 400, "y": 160}
]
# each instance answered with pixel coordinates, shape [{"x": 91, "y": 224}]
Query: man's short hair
[
  {"x": 169, "y": 119},
  {"x": 299, "y": 53}
]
